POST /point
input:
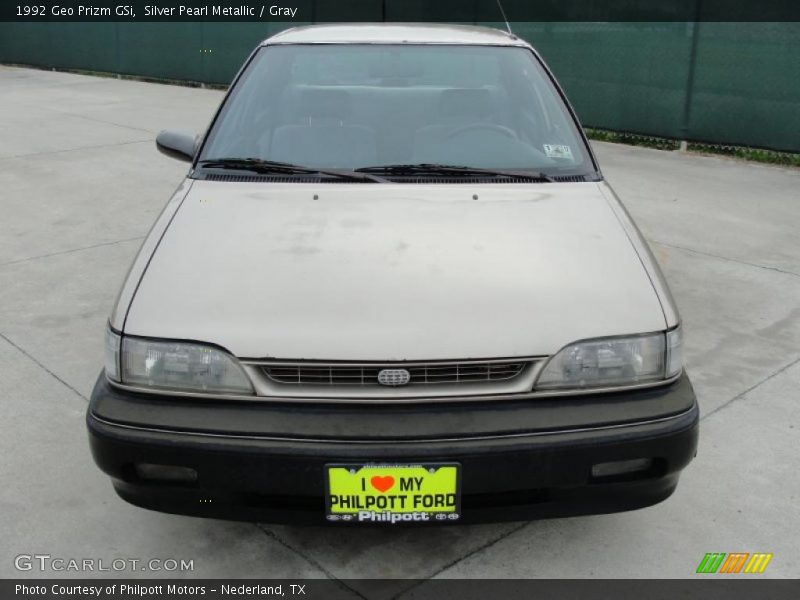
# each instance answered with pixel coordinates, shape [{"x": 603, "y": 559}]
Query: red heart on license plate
[{"x": 382, "y": 484}]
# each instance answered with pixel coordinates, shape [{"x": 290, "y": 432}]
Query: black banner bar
[
  {"x": 468, "y": 11},
  {"x": 713, "y": 587}
]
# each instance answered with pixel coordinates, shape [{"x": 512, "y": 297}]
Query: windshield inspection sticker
[{"x": 557, "y": 151}]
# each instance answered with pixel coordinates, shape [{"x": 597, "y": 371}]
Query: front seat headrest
[
  {"x": 465, "y": 103},
  {"x": 325, "y": 104}
]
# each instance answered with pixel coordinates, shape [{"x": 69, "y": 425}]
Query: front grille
[{"x": 420, "y": 373}]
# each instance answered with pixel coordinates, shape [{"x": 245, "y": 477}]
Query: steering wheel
[{"x": 510, "y": 133}]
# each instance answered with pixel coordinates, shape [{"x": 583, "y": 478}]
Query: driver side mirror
[{"x": 178, "y": 144}]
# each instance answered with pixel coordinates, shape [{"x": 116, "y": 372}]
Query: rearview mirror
[{"x": 178, "y": 144}]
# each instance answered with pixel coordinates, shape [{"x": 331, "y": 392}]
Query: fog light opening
[
  {"x": 625, "y": 469},
  {"x": 165, "y": 473}
]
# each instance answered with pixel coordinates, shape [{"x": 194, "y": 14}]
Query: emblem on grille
[{"x": 394, "y": 377}]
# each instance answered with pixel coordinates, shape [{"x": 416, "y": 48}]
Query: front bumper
[{"x": 520, "y": 459}]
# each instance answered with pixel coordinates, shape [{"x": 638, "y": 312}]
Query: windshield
[{"x": 351, "y": 107}]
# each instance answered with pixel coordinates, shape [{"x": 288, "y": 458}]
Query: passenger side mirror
[{"x": 178, "y": 144}]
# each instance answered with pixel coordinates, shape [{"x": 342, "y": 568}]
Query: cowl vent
[{"x": 256, "y": 178}]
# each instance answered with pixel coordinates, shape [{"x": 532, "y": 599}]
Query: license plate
[{"x": 379, "y": 493}]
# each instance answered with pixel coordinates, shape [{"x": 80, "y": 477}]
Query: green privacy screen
[{"x": 725, "y": 83}]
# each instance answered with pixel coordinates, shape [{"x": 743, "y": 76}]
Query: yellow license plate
[{"x": 391, "y": 493}]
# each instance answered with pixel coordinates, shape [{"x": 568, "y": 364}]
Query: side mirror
[{"x": 178, "y": 144}]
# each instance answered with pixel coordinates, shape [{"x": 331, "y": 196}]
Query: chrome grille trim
[
  {"x": 366, "y": 374},
  {"x": 433, "y": 380}
]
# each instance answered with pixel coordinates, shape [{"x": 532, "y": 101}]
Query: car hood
[{"x": 393, "y": 271}]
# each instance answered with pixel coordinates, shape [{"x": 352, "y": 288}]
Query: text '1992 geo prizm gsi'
[{"x": 394, "y": 288}]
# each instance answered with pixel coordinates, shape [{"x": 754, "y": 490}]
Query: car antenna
[{"x": 503, "y": 12}]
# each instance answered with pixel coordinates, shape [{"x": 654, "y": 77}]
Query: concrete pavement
[{"x": 81, "y": 183}]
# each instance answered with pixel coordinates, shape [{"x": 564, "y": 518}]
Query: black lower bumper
[{"x": 521, "y": 468}]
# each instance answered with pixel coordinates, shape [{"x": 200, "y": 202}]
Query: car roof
[{"x": 395, "y": 33}]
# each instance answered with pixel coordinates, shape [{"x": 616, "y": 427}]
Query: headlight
[
  {"x": 609, "y": 362},
  {"x": 181, "y": 367}
]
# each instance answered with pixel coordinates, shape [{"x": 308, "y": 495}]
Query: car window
[{"x": 355, "y": 106}]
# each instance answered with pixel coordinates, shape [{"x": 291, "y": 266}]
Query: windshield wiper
[
  {"x": 258, "y": 165},
  {"x": 437, "y": 169}
]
